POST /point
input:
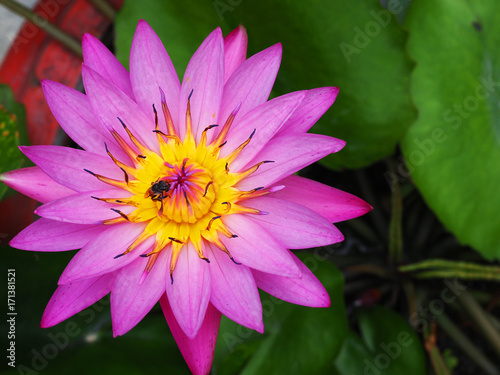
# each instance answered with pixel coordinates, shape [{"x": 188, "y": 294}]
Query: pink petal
[
  {"x": 251, "y": 83},
  {"x": 234, "y": 292},
  {"x": 67, "y": 166},
  {"x": 132, "y": 299},
  {"x": 34, "y": 183},
  {"x": 199, "y": 351},
  {"x": 314, "y": 105},
  {"x": 84, "y": 209},
  {"x": 190, "y": 292},
  {"x": 73, "y": 112},
  {"x": 97, "y": 57},
  {"x": 256, "y": 248},
  {"x": 72, "y": 298},
  {"x": 49, "y": 235},
  {"x": 333, "y": 204},
  {"x": 235, "y": 50},
  {"x": 290, "y": 153},
  {"x": 98, "y": 257},
  {"x": 296, "y": 226},
  {"x": 110, "y": 103},
  {"x": 205, "y": 77},
  {"x": 150, "y": 69},
  {"x": 306, "y": 291},
  {"x": 266, "y": 120}
]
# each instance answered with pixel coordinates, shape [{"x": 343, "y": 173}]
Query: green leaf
[
  {"x": 140, "y": 351},
  {"x": 12, "y": 133},
  {"x": 453, "y": 150},
  {"x": 357, "y": 46},
  {"x": 297, "y": 339},
  {"x": 389, "y": 346},
  {"x": 181, "y": 25}
]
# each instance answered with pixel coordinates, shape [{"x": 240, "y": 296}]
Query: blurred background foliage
[{"x": 414, "y": 286}]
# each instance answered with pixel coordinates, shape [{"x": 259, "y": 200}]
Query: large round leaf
[
  {"x": 357, "y": 46},
  {"x": 452, "y": 151},
  {"x": 388, "y": 346}
]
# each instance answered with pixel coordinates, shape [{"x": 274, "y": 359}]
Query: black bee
[{"x": 158, "y": 190}]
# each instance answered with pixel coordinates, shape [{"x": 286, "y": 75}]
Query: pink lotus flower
[{"x": 184, "y": 193}]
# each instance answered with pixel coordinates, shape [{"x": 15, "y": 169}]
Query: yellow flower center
[{"x": 182, "y": 192}]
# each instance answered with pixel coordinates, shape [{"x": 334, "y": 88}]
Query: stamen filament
[
  {"x": 249, "y": 171},
  {"x": 134, "y": 140},
  {"x": 166, "y": 114},
  {"x": 109, "y": 181},
  {"x": 222, "y": 135},
  {"x": 230, "y": 158}
]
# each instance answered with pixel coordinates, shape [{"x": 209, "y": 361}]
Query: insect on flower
[{"x": 158, "y": 190}]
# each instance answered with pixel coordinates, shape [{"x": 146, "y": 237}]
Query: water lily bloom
[{"x": 183, "y": 193}]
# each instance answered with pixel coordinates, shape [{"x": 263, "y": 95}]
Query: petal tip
[
  {"x": 87, "y": 38},
  {"x": 327, "y": 302},
  {"x": 191, "y": 331},
  {"x": 143, "y": 23},
  {"x": 14, "y": 243},
  {"x": 143, "y": 27},
  {"x": 46, "y": 84},
  {"x": 215, "y": 36},
  {"x": 367, "y": 208},
  {"x": 24, "y": 149}
]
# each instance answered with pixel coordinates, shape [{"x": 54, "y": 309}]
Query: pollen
[{"x": 183, "y": 191}]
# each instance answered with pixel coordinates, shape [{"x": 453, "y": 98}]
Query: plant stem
[
  {"x": 441, "y": 268},
  {"x": 446, "y": 274},
  {"x": 371, "y": 269},
  {"x": 437, "y": 360},
  {"x": 481, "y": 320},
  {"x": 44, "y": 24},
  {"x": 395, "y": 224},
  {"x": 443, "y": 263},
  {"x": 466, "y": 345},
  {"x": 105, "y": 8},
  {"x": 409, "y": 289}
]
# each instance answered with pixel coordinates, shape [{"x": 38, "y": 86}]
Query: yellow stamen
[{"x": 184, "y": 192}]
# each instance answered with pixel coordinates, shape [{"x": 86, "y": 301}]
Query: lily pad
[
  {"x": 453, "y": 150},
  {"x": 388, "y": 346}
]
